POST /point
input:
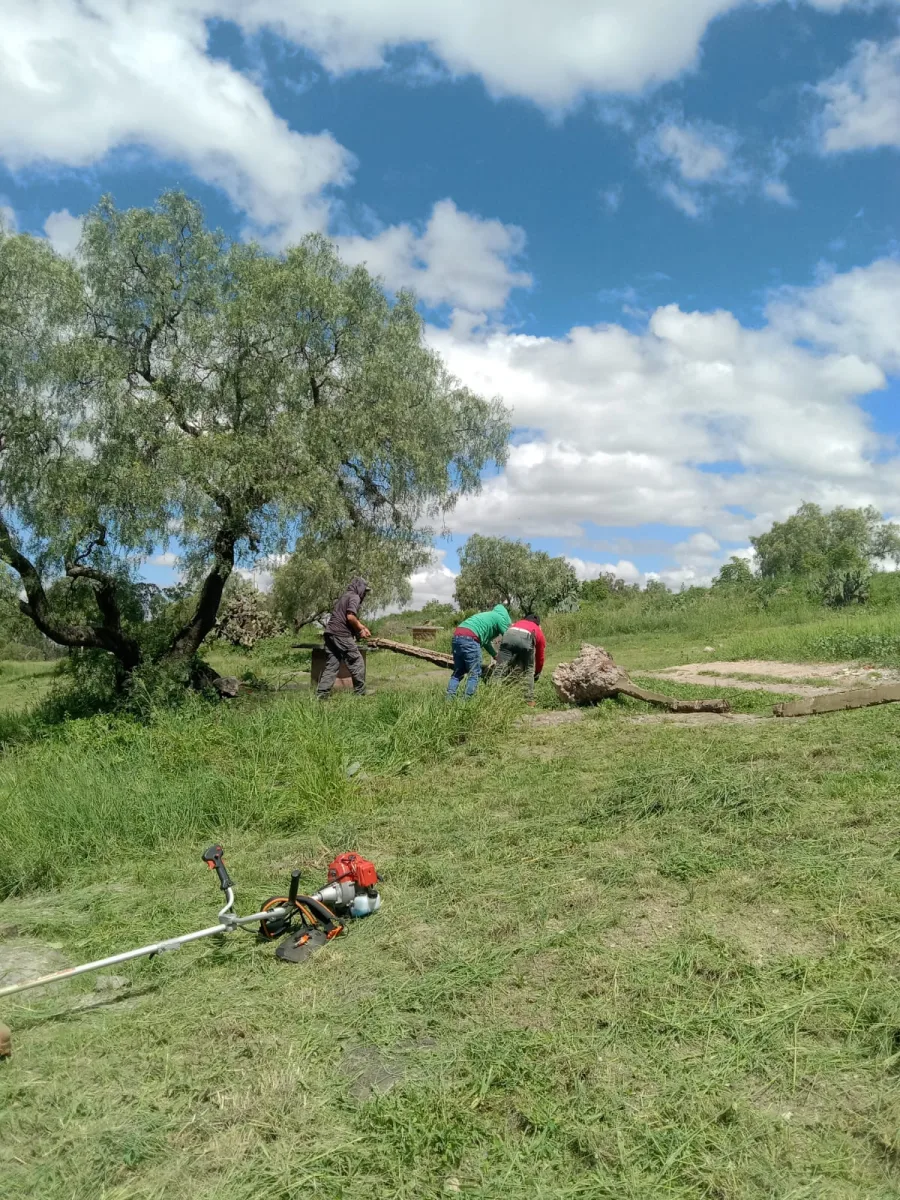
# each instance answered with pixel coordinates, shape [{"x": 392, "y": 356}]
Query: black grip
[
  {"x": 214, "y": 860},
  {"x": 295, "y": 887}
]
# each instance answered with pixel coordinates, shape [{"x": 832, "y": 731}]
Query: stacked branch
[{"x": 594, "y": 676}]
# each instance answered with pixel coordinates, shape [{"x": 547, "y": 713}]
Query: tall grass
[
  {"x": 740, "y": 628},
  {"x": 103, "y": 788}
]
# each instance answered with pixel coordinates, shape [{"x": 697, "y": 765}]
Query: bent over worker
[
  {"x": 522, "y": 651},
  {"x": 343, "y": 630},
  {"x": 469, "y": 639}
]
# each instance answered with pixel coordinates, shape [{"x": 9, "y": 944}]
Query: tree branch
[
  {"x": 189, "y": 638},
  {"x": 36, "y": 607}
]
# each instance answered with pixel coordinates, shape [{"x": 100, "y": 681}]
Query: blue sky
[{"x": 666, "y": 233}]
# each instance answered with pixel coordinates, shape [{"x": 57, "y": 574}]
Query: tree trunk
[{"x": 188, "y": 640}]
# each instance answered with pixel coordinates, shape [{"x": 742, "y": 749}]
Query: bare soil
[
  {"x": 699, "y": 719},
  {"x": 836, "y": 677},
  {"x": 564, "y": 716}
]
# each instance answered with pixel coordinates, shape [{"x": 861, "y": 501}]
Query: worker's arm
[
  {"x": 357, "y": 626},
  {"x": 540, "y": 651}
]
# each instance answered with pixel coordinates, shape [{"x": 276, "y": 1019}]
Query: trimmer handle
[{"x": 214, "y": 860}]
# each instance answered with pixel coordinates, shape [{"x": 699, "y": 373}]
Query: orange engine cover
[{"x": 355, "y": 868}]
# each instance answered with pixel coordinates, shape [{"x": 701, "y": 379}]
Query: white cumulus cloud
[
  {"x": 458, "y": 258},
  {"x": 550, "y": 55},
  {"x": 862, "y": 100},
  {"x": 695, "y": 420},
  {"x": 63, "y": 231},
  {"x": 79, "y": 79}
]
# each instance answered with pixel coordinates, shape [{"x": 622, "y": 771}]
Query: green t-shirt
[{"x": 489, "y": 625}]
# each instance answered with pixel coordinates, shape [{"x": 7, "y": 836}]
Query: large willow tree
[{"x": 173, "y": 383}]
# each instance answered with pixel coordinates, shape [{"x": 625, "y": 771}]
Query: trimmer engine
[
  {"x": 351, "y": 886},
  {"x": 351, "y": 891}
]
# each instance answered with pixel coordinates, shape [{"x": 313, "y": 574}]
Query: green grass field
[{"x": 615, "y": 959}]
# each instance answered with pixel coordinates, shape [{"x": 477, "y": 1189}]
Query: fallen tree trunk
[
  {"x": 432, "y": 656},
  {"x": 594, "y": 676},
  {"x": 887, "y": 693}
]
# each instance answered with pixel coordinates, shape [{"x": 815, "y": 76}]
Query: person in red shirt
[{"x": 522, "y": 652}]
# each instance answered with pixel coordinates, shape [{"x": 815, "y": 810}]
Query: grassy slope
[{"x": 615, "y": 960}]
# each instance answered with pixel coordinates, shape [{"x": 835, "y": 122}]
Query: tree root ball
[{"x": 591, "y": 677}]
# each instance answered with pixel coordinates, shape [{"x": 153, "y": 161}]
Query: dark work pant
[
  {"x": 337, "y": 651},
  {"x": 466, "y": 661},
  {"x": 517, "y": 657}
]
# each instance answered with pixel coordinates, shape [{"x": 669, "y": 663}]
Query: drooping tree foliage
[
  {"x": 174, "y": 383},
  {"x": 496, "y": 570},
  {"x": 320, "y": 568}
]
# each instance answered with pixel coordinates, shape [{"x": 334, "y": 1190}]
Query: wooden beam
[{"x": 887, "y": 693}]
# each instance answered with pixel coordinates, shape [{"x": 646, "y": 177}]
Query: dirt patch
[
  {"x": 836, "y": 677},
  {"x": 373, "y": 1072},
  {"x": 22, "y": 960},
  {"x": 698, "y": 719},
  {"x": 656, "y": 917},
  {"x": 565, "y": 716},
  {"x": 369, "y": 1072},
  {"x": 763, "y": 933}
]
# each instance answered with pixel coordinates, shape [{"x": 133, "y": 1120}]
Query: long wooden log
[
  {"x": 435, "y": 657},
  {"x": 432, "y": 656},
  {"x": 669, "y": 702},
  {"x": 886, "y": 693}
]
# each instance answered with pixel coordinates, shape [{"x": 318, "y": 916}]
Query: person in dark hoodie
[{"x": 342, "y": 632}]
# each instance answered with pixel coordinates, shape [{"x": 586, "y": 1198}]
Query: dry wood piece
[
  {"x": 887, "y": 693},
  {"x": 433, "y": 656},
  {"x": 594, "y": 676}
]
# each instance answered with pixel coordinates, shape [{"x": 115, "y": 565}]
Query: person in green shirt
[{"x": 469, "y": 639}]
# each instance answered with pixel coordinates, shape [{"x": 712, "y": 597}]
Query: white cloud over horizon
[{"x": 696, "y": 420}]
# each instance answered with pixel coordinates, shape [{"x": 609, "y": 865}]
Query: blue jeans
[{"x": 466, "y": 661}]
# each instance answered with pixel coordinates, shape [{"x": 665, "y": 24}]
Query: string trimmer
[{"x": 302, "y": 923}]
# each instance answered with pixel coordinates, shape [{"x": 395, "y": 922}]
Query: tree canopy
[
  {"x": 607, "y": 586},
  {"x": 171, "y": 383},
  {"x": 812, "y": 542},
  {"x": 495, "y": 570}
]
